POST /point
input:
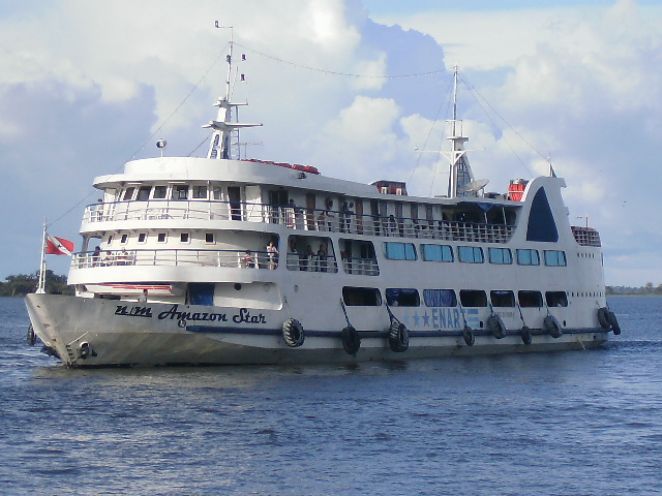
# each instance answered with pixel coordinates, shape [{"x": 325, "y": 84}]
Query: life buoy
[
  {"x": 496, "y": 326},
  {"x": 552, "y": 326},
  {"x": 525, "y": 334},
  {"x": 603, "y": 317},
  {"x": 613, "y": 323},
  {"x": 293, "y": 334},
  {"x": 398, "y": 337},
  {"x": 468, "y": 335},
  {"x": 84, "y": 350},
  {"x": 351, "y": 341}
]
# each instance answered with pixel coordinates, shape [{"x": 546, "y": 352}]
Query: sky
[{"x": 358, "y": 88}]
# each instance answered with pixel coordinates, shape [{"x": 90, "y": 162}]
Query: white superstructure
[{"x": 217, "y": 260}]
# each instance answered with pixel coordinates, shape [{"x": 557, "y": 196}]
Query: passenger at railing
[
  {"x": 392, "y": 226},
  {"x": 306, "y": 259},
  {"x": 247, "y": 261},
  {"x": 106, "y": 259},
  {"x": 272, "y": 254},
  {"x": 123, "y": 257},
  {"x": 321, "y": 221},
  {"x": 96, "y": 255},
  {"x": 289, "y": 213},
  {"x": 346, "y": 214},
  {"x": 330, "y": 216},
  {"x": 322, "y": 258},
  {"x": 143, "y": 296}
]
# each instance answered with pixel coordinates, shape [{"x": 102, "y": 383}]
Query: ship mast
[
  {"x": 220, "y": 144},
  {"x": 460, "y": 171}
]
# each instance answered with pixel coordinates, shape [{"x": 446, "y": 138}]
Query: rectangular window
[
  {"x": 209, "y": 238},
  {"x": 528, "y": 257},
  {"x": 555, "y": 258},
  {"x": 361, "y": 297},
  {"x": 142, "y": 237},
  {"x": 183, "y": 237},
  {"x": 473, "y": 298},
  {"x": 161, "y": 238},
  {"x": 216, "y": 192},
  {"x": 159, "y": 192},
  {"x": 502, "y": 298},
  {"x": 128, "y": 194},
  {"x": 556, "y": 298},
  {"x": 403, "y": 297},
  {"x": 399, "y": 251},
  {"x": 124, "y": 238},
  {"x": 500, "y": 256},
  {"x": 470, "y": 254},
  {"x": 437, "y": 253},
  {"x": 180, "y": 192},
  {"x": 532, "y": 299},
  {"x": 439, "y": 298},
  {"x": 143, "y": 193},
  {"x": 200, "y": 192}
]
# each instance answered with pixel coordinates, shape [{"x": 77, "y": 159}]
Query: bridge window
[
  {"x": 161, "y": 238},
  {"x": 361, "y": 297},
  {"x": 528, "y": 257},
  {"x": 470, "y": 254},
  {"x": 128, "y": 194},
  {"x": 555, "y": 258},
  {"x": 184, "y": 237},
  {"x": 209, "y": 238},
  {"x": 500, "y": 256},
  {"x": 473, "y": 298},
  {"x": 142, "y": 237},
  {"x": 399, "y": 251},
  {"x": 180, "y": 192},
  {"x": 502, "y": 298},
  {"x": 556, "y": 298},
  {"x": 403, "y": 297},
  {"x": 437, "y": 253},
  {"x": 530, "y": 298},
  {"x": 439, "y": 298},
  {"x": 159, "y": 192},
  {"x": 200, "y": 192}
]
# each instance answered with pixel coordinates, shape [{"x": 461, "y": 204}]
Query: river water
[{"x": 570, "y": 423}]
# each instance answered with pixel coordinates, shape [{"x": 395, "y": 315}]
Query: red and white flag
[{"x": 58, "y": 246}]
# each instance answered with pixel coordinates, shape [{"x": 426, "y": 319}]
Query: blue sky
[{"x": 83, "y": 87}]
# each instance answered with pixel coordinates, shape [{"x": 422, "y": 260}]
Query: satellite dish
[
  {"x": 475, "y": 186},
  {"x": 161, "y": 144}
]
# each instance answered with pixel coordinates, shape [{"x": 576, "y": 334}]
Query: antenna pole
[{"x": 452, "y": 179}]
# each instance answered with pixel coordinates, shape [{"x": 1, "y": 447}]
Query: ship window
[
  {"x": 556, "y": 298},
  {"x": 437, "y": 253},
  {"x": 159, "y": 192},
  {"x": 143, "y": 193},
  {"x": 361, "y": 297},
  {"x": 180, "y": 192},
  {"x": 403, "y": 297},
  {"x": 528, "y": 257},
  {"x": 530, "y": 298},
  {"x": 217, "y": 194},
  {"x": 200, "y": 192},
  {"x": 161, "y": 238},
  {"x": 502, "y": 298},
  {"x": 128, "y": 194},
  {"x": 500, "y": 256},
  {"x": 399, "y": 251},
  {"x": 473, "y": 298},
  {"x": 209, "y": 237},
  {"x": 541, "y": 226},
  {"x": 124, "y": 238},
  {"x": 439, "y": 298},
  {"x": 470, "y": 254},
  {"x": 142, "y": 237},
  {"x": 184, "y": 237},
  {"x": 555, "y": 258}
]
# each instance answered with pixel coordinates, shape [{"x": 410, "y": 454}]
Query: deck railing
[
  {"x": 586, "y": 236},
  {"x": 311, "y": 263},
  {"x": 300, "y": 219}
]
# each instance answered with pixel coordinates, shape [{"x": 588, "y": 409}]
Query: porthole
[{"x": 237, "y": 286}]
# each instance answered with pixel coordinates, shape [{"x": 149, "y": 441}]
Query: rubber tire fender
[
  {"x": 293, "y": 333},
  {"x": 613, "y": 323},
  {"x": 351, "y": 340},
  {"x": 525, "y": 334},
  {"x": 496, "y": 326},
  {"x": 398, "y": 337},
  {"x": 468, "y": 335},
  {"x": 603, "y": 317},
  {"x": 552, "y": 326}
]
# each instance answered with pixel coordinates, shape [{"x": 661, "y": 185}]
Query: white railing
[
  {"x": 586, "y": 236},
  {"x": 300, "y": 219},
  {"x": 311, "y": 263},
  {"x": 361, "y": 266},
  {"x": 202, "y": 258}
]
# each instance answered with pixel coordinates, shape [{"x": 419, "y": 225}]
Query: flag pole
[{"x": 41, "y": 285}]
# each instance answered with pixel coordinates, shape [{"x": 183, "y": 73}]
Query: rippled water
[{"x": 571, "y": 423}]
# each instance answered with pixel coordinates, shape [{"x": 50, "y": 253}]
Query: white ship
[{"x": 218, "y": 260}]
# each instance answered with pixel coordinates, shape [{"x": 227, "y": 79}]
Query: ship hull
[{"x": 86, "y": 332}]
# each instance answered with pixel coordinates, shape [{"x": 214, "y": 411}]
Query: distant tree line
[
  {"x": 22, "y": 284},
  {"x": 648, "y": 289}
]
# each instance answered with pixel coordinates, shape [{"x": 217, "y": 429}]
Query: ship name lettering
[
  {"x": 134, "y": 311},
  {"x": 182, "y": 317},
  {"x": 245, "y": 316}
]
